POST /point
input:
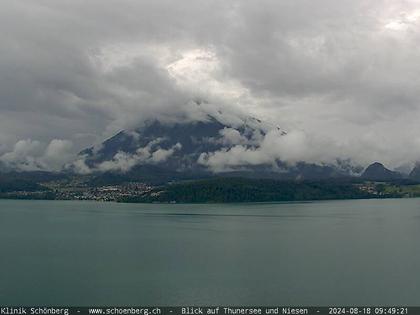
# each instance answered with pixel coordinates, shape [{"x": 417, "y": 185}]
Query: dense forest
[
  {"x": 251, "y": 190},
  {"x": 9, "y": 185},
  {"x": 40, "y": 185}
]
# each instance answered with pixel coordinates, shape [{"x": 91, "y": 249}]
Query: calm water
[{"x": 84, "y": 253}]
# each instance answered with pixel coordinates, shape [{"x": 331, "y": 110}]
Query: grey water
[{"x": 356, "y": 252}]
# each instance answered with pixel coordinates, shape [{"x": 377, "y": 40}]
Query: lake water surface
[{"x": 362, "y": 252}]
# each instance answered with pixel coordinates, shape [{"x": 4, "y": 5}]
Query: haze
[{"x": 340, "y": 77}]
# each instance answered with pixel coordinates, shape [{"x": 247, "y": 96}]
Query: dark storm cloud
[{"x": 341, "y": 76}]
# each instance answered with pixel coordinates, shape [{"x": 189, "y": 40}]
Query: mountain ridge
[{"x": 180, "y": 146}]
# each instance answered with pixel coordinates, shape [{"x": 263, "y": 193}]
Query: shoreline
[{"x": 210, "y": 202}]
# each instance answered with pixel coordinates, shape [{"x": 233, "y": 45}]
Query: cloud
[
  {"x": 341, "y": 72},
  {"x": 57, "y": 153},
  {"x": 122, "y": 161},
  {"x": 232, "y": 136},
  {"x": 80, "y": 166},
  {"x": 30, "y": 155},
  {"x": 276, "y": 146},
  {"x": 161, "y": 155}
]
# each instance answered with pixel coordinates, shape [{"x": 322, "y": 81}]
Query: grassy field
[{"x": 408, "y": 191}]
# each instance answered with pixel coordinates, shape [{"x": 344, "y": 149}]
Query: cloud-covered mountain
[
  {"x": 415, "y": 172},
  {"x": 340, "y": 76},
  {"x": 179, "y": 146},
  {"x": 245, "y": 147}
]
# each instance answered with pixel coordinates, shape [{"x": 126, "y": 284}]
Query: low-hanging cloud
[
  {"x": 123, "y": 161},
  {"x": 32, "y": 155},
  {"x": 275, "y": 146},
  {"x": 339, "y": 76}
]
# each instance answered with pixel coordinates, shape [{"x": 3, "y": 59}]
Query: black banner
[{"x": 211, "y": 310}]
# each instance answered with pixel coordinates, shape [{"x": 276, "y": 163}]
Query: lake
[{"x": 355, "y": 252}]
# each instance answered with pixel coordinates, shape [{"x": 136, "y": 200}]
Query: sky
[{"x": 341, "y": 77}]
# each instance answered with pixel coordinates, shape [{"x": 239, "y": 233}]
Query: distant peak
[
  {"x": 376, "y": 165},
  {"x": 377, "y": 171}
]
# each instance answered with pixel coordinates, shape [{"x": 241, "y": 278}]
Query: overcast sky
[{"x": 342, "y": 77}]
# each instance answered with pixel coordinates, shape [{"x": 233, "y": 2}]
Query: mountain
[
  {"x": 185, "y": 142},
  {"x": 161, "y": 152},
  {"x": 415, "y": 173},
  {"x": 378, "y": 171}
]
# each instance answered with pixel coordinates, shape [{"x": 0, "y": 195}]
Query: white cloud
[
  {"x": 122, "y": 161},
  {"x": 57, "y": 153},
  {"x": 343, "y": 72},
  {"x": 232, "y": 136},
  {"x": 161, "y": 155},
  {"x": 29, "y": 155},
  {"x": 293, "y": 147},
  {"x": 80, "y": 166},
  {"x": 150, "y": 154}
]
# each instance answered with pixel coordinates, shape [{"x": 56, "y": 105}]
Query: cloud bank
[
  {"x": 150, "y": 154},
  {"x": 32, "y": 155},
  {"x": 339, "y": 76}
]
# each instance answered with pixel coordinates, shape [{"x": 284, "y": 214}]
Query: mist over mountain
[
  {"x": 415, "y": 173},
  {"x": 337, "y": 76},
  {"x": 178, "y": 145},
  {"x": 246, "y": 147},
  {"x": 209, "y": 142}
]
